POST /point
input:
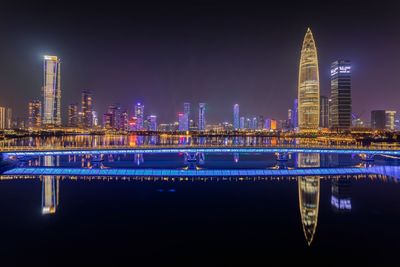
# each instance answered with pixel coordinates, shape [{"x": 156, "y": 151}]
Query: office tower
[
  {"x": 267, "y": 125},
  {"x": 73, "y": 119},
  {"x": 2, "y": 118},
  {"x": 289, "y": 123},
  {"x": 114, "y": 116},
  {"x": 324, "y": 112},
  {"x": 254, "y": 123},
  {"x": 123, "y": 121},
  {"x": 236, "y": 118},
  {"x": 202, "y": 116},
  {"x": 340, "y": 95},
  {"x": 108, "y": 121},
  {"x": 308, "y": 87},
  {"x": 186, "y": 111},
  {"x": 87, "y": 109},
  {"x": 295, "y": 117},
  {"x": 242, "y": 123},
  {"x": 51, "y": 92},
  {"x": 35, "y": 114},
  {"x": 8, "y": 118},
  {"x": 95, "y": 118},
  {"x": 260, "y": 122},
  {"x": 390, "y": 120},
  {"x": 139, "y": 114},
  {"x": 182, "y": 122},
  {"x": 152, "y": 119},
  {"x": 378, "y": 119}
]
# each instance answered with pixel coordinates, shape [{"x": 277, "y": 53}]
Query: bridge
[
  {"x": 162, "y": 149},
  {"x": 392, "y": 171}
]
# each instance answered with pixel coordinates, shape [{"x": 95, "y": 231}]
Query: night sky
[{"x": 220, "y": 53}]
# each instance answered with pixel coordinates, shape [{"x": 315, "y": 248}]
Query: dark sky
[{"x": 220, "y": 53}]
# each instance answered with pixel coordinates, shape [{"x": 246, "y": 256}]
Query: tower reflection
[
  {"x": 309, "y": 191},
  {"x": 50, "y": 185}
]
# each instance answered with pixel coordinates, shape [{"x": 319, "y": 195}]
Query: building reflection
[
  {"x": 50, "y": 185},
  {"x": 341, "y": 195},
  {"x": 309, "y": 193}
]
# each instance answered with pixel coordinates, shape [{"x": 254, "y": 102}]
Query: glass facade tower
[{"x": 51, "y": 92}]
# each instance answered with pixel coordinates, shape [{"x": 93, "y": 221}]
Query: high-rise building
[
  {"x": 186, "y": 111},
  {"x": 108, "y": 121},
  {"x": 8, "y": 118},
  {"x": 182, "y": 122},
  {"x": 73, "y": 116},
  {"x": 123, "y": 121},
  {"x": 324, "y": 112},
  {"x": 378, "y": 119},
  {"x": 2, "y": 118},
  {"x": 139, "y": 114},
  {"x": 87, "y": 109},
  {"x": 236, "y": 118},
  {"x": 340, "y": 108},
  {"x": 202, "y": 116},
  {"x": 308, "y": 90},
  {"x": 242, "y": 123},
  {"x": 95, "y": 118},
  {"x": 254, "y": 123},
  {"x": 35, "y": 114},
  {"x": 295, "y": 117},
  {"x": 390, "y": 120},
  {"x": 51, "y": 92},
  {"x": 289, "y": 124},
  {"x": 152, "y": 119}
]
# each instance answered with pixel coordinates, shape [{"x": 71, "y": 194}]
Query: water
[{"x": 145, "y": 221}]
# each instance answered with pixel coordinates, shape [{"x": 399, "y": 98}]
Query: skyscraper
[
  {"x": 390, "y": 120},
  {"x": 324, "y": 112},
  {"x": 51, "y": 92},
  {"x": 87, "y": 109},
  {"x": 340, "y": 95},
  {"x": 186, "y": 111},
  {"x": 35, "y": 114},
  {"x": 202, "y": 116},
  {"x": 152, "y": 122},
  {"x": 295, "y": 118},
  {"x": 242, "y": 123},
  {"x": 139, "y": 114},
  {"x": 236, "y": 118},
  {"x": 8, "y": 118},
  {"x": 308, "y": 87},
  {"x": 73, "y": 118},
  {"x": 2, "y": 118},
  {"x": 378, "y": 119},
  {"x": 182, "y": 122}
]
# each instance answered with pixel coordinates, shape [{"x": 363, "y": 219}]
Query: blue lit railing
[
  {"x": 44, "y": 151},
  {"x": 393, "y": 171}
]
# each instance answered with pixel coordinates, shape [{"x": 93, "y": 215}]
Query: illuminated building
[
  {"x": 8, "y": 118},
  {"x": 308, "y": 87},
  {"x": 152, "y": 119},
  {"x": 2, "y": 118},
  {"x": 236, "y": 120},
  {"x": 132, "y": 124},
  {"x": 390, "y": 120},
  {"x": 182, "y": 120},
  {"x": 95, "y": 117},
  {"x": 295, "y": 118},
  {"x": 254, "y": 123},
  {"x": 35, "y": 114},
  {"x": 73, "y": 116},
  {"x": 274, "y": 125},
  {"x": 324, "y": 112},
  {"x": 260, "y": 122},
  {"x": 378, "y": 119},
  {"x": 108, "y": 121},
  {"x": 242, "y": 123},
  {"x": 87, "y": 109},
  {"x": 289, "y": 119},
  {"x": 340, "y": 106},
  {"x": 51, "y": 92},
  {"x": 139, "y": 114},
  {"x": 123, "y": 121},
  {"x": 202, "y": 116},
  {"x": 341, "y": 197},
  {"x": 309, "y": 191},
  {"x": 267, "y": 125},
  {"x": 186, "y": 111}
]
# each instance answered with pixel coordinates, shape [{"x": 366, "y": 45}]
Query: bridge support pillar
[
  {"x": 367, "y": 157},
  {"x": 282, "y": 156}
]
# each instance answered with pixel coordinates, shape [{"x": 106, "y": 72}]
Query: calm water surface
[{"x": 210, "y": 221}]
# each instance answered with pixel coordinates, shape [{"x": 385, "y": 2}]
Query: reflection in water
[
  {"x": 139, "y": 159},
  {"x": 49, "y": 188},
  {"x": 341, "y": 198},
  {"x": 236, "y": 157},
  {"x": 309, "y": 190}
]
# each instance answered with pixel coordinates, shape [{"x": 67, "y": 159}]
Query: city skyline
[{"x": 204, "y": 61}]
